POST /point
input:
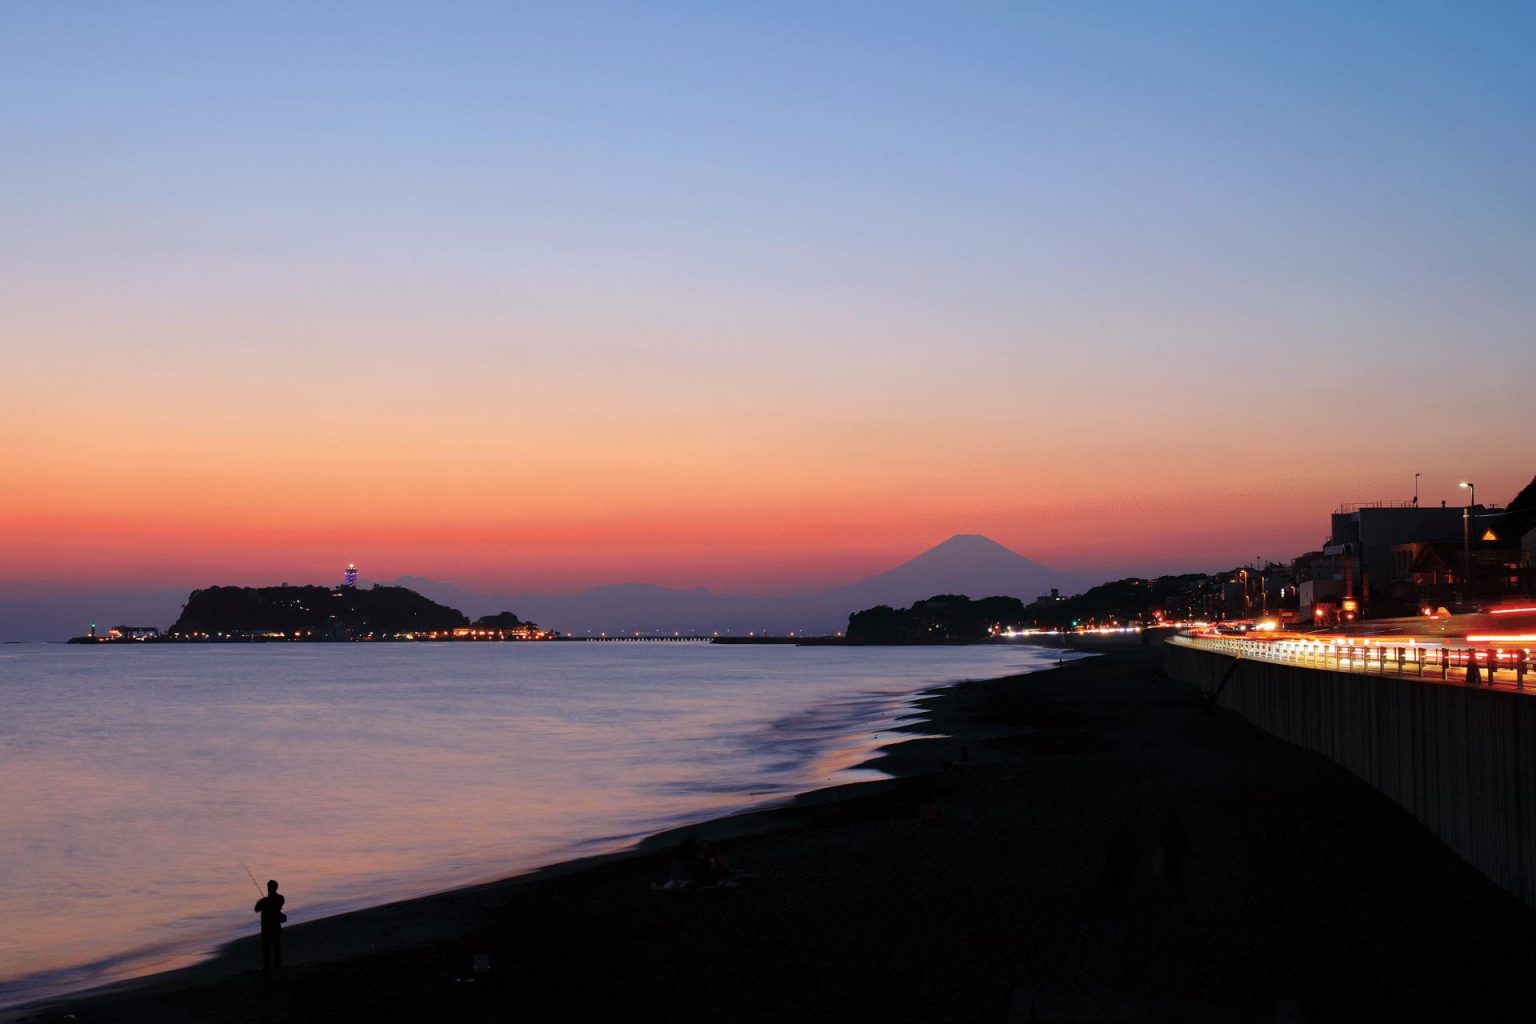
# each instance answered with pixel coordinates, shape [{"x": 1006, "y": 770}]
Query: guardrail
[{"x": 1486, "y": 667}]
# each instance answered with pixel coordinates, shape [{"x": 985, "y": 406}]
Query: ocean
[{"x": 140, "y": 785}]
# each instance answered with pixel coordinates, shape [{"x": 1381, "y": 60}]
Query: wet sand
[{"x": 1109, "y": 851}]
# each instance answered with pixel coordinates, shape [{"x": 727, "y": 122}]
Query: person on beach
[
  {"x": 270, "y": 907},
  {"x": 1172, "y": 852},
  {"x": 698, "y": 863},
  {"x": 1119, "y": 864}
]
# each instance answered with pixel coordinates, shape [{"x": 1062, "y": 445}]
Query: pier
[{"x": 646, "y": 639}]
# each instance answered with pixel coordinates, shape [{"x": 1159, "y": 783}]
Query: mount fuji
[{"x": 966, "y": 564}]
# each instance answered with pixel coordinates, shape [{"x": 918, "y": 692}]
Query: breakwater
[{"x": 1460, "y": 759}]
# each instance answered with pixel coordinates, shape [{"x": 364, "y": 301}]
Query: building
[
  {"x": 1386, "y": 559},
  {"x": 349, "y": 578},
  {"x": 1362, "y": 559},
  {"x": 1501, "y": 568},
  {"x": 1427, "y": 574},
  {"x": 132, "y": 632}
]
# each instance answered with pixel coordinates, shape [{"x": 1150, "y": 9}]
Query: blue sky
[{"x": 845, "y": 231}]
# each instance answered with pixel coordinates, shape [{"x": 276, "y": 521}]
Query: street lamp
[{"x": 1466, "y": 537}]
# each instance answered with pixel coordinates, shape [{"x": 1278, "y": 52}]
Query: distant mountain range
[{"x": 966, "y": 564}]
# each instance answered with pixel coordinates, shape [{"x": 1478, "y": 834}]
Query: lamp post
[{"x": 1466, "y": 538}]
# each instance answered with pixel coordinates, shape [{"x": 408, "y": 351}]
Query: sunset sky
[{"x": 757, "y": 297}]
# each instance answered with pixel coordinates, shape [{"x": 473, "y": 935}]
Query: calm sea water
[{"x": 136, "y": 783}]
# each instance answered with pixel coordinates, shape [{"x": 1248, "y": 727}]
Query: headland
[{"x": 318, "y": 614}]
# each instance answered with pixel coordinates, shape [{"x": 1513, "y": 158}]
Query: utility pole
[{"x": 1466, "y": 540}]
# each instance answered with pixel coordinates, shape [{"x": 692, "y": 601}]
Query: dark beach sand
[{"x": 1111, "y": 848}]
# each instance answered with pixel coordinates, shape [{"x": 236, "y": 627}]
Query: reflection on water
[{"x": 136, "y": 781}]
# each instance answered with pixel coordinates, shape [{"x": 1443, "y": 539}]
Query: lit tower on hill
[{"x": 349, "y": 579}]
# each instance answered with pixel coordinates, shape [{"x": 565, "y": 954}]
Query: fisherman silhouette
[{"x": 270, "y": 907}]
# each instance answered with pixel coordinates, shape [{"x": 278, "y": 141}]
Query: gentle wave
[{"x": 138, "y": 783}]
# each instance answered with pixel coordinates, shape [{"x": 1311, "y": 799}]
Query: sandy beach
[{"x": 1089, "y": 842}]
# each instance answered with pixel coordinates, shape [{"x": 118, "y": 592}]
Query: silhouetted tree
[
  {"x": 501, "y": 620},
  {"x": 943, "y": 618}
]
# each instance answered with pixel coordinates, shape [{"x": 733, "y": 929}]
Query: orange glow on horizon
[
  {"x": 786, "y": 522},
  {"x": 545, "y": 474}
]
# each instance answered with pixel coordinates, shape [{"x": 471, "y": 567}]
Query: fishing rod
[{"x": 252, "y": 878}]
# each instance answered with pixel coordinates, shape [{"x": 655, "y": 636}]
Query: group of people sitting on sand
[{"x": 697, "y": 863}]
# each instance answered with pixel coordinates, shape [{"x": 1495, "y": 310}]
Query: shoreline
[
  {"x": 938, "y": 895},
  {"x": 407, "y": 921}
]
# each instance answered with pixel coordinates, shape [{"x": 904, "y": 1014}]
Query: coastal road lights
[{"x": 1466, "y": 537}]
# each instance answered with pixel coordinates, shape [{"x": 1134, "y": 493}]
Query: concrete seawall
[{"x": 1461, "y": 760}]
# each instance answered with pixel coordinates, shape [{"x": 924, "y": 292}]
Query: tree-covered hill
[
  {"x": 320, "y": 612},
  {"x": 943, "y": 618},
  {"x": 1122, "y": 601}
]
